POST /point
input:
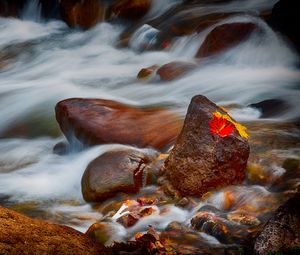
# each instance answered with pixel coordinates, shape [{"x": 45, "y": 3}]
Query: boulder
[
  {"x": 98, "y": 121},
  {"x": 11, "y": 8},
  {"x": 174, "y": 70},
  {"x": 282, "y": 231},
  {"x": 116, "y": 171},
  {"x": 84, "y": 14},
  {"x": 271, "y": 107},
  {"x": 131, "y": 9},
  {"x": 224, "y": 37},
  {"x": 22, "y": 235},
  {"x": 147, "y": 73},
  {"x": 211, "y": 151}
]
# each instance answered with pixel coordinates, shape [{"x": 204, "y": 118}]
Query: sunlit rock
[
  {"x": 98, "y": 121},
  {"x": 224, "y": 37},
  {"x": 116, "y": 171},
  {"x": 22, "y": 235},
  {"x": 206, "y": 156}
]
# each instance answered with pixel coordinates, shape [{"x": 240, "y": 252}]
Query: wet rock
[
  {"x": 116, "y": 171},
  {"x": 11, "y": 8},
  {"x": 50, "y": 9},
  {"x": 84, "y": 14},
  {"x": 285, "y": 19},
  {"x": 148, "y": 72},
  {"x": 224, "y": 37},
  {"x": 22, "y": 235},
  {"x": 131, "y": 9},
  {"x": 61, "y": 148},
  {"x": 175, "y": 70},
  {"x": 203, "y": 160},
  {"x": 271, "y": 107},
  {"x": 282, "y": 232},
  {"x": 97, "y": 121}
]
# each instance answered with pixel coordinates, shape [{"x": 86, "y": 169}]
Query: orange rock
[
  {"x": 98, "y": 121},
  {"x": 228, "y": 200},
  {"x": 224, "y": 37},
  {"x": 147, "y": 72},
  {"x": 84, "y": 14},
  {"x": 174, "y": 70}
]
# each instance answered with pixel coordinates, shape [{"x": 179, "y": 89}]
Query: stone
[
  {"x": 203, "y": 160},
  {"x": 175, "y": 70},
  {"x": 98, "y": 121},
  {"x": 282, "y": 231},
  {"x": 83, "y": 14},
  {"x": 116, "y": 171},
  {"x": 22, "y": 235},
  {"x": 147, "y": 73},
  {"x": 271, "y": 107},
  {"x": 11, "y": 8},
  {"x": 224, "y": 37},
  {"x": 131, "y": 9}
]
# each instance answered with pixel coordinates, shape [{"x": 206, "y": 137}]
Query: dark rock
[
  {"x": 22, "y": 235},
  {"x": 131, "y": 9},
  {"x": 50, "y": 9},
  {"x": 61, "y": 148},
  {"x": 84, "y": 14},
  {"x": 175, "y": 70},
  {"x": 286, "y": 19},
  {"x": 11, "y": 8},
  {"x": 224, "y": 37},
  {"x": 282, "y": 232},
  {"x": 116, "y": 171},
  {"x": 148, "y": 72},
  {"x": 271, "y": 107},
  {"x": 202, "y": 160},
  {"x": 97, "y": 121}
]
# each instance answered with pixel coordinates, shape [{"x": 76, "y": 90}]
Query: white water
[{"x": 56, "y": 62}]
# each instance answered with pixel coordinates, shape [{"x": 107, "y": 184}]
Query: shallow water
[{"x": 42, "y": 63}]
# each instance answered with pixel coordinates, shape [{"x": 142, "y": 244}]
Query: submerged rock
[
  {"x": 22, "y": 235},
  {"x": 98, "y": 121},
  {"x": 224, "y": 37},
  {"x": 174, "y": 70},
  {"x": 205, "y": 157},
  {"x": 116, "y": 171},
  {"x": 131, "y": 9},
  {"x": 271, "y": 107},
  {"x": 84, "y": 14},
  {"x": 282, "y": 232}
]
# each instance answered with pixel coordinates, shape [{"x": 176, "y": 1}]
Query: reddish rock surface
[
  {"x": 201, "y": 160},
  {"x": 131, "y": 9},
  {"x": 84, "y": 14},
  {"x": 224, "y": 37},
  {"x": 148, "y": 72},
  {"x": 174, "y": 70},
  {"x": 116, "y": 171},
  {"x": 97, "y": 121},
  {"x": 22, "y": 235}
]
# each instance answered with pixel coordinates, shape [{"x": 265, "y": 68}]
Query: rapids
[{"x": 43, "y": 62}]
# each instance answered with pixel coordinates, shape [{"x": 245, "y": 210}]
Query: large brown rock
[
  {"x": 202, "y": 160},
  {"x": 282, "y": 232},
  {"x": 84, "y": 14},
  {"x": 116, "y": 171},
  {"x": 22, "y": 235},
  {"x": 224, "y": 37},
  {"x": 98, "y": 121},
  {"x": 131, "y": 9}
]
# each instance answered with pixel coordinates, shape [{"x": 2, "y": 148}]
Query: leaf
[
  {"x": 239, "y": 127},
  {"x": 221, "y": 126}
]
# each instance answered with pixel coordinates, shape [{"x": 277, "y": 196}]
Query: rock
[
  {"x": 203, "y": 160},
  {"x": 22, "y": 235},
  {"x": 282, "y": 232},
  {"x": 148, "y": 72},
  {"x": 11, "y": 8},
  {"x": 131, "y": 9},
  {"x": 116, "y": 171},
  {"x": 224, "y": 37},
  {"x": 50, "y": 9},
  {"x": 175, "y": 70},
  {"x": 271, "y": 107},
  {"x": 84, "y": 14},
  {"x": 97, "y": 121},
  {"x": 285, "y": 19}
]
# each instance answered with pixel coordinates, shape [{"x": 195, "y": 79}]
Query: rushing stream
[{"x": 42, "y": 63}]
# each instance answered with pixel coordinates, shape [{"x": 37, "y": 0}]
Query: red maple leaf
[{"x": 221, "y": 126}]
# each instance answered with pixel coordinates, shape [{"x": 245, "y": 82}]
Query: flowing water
[{"x": 42, "y": 63}]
